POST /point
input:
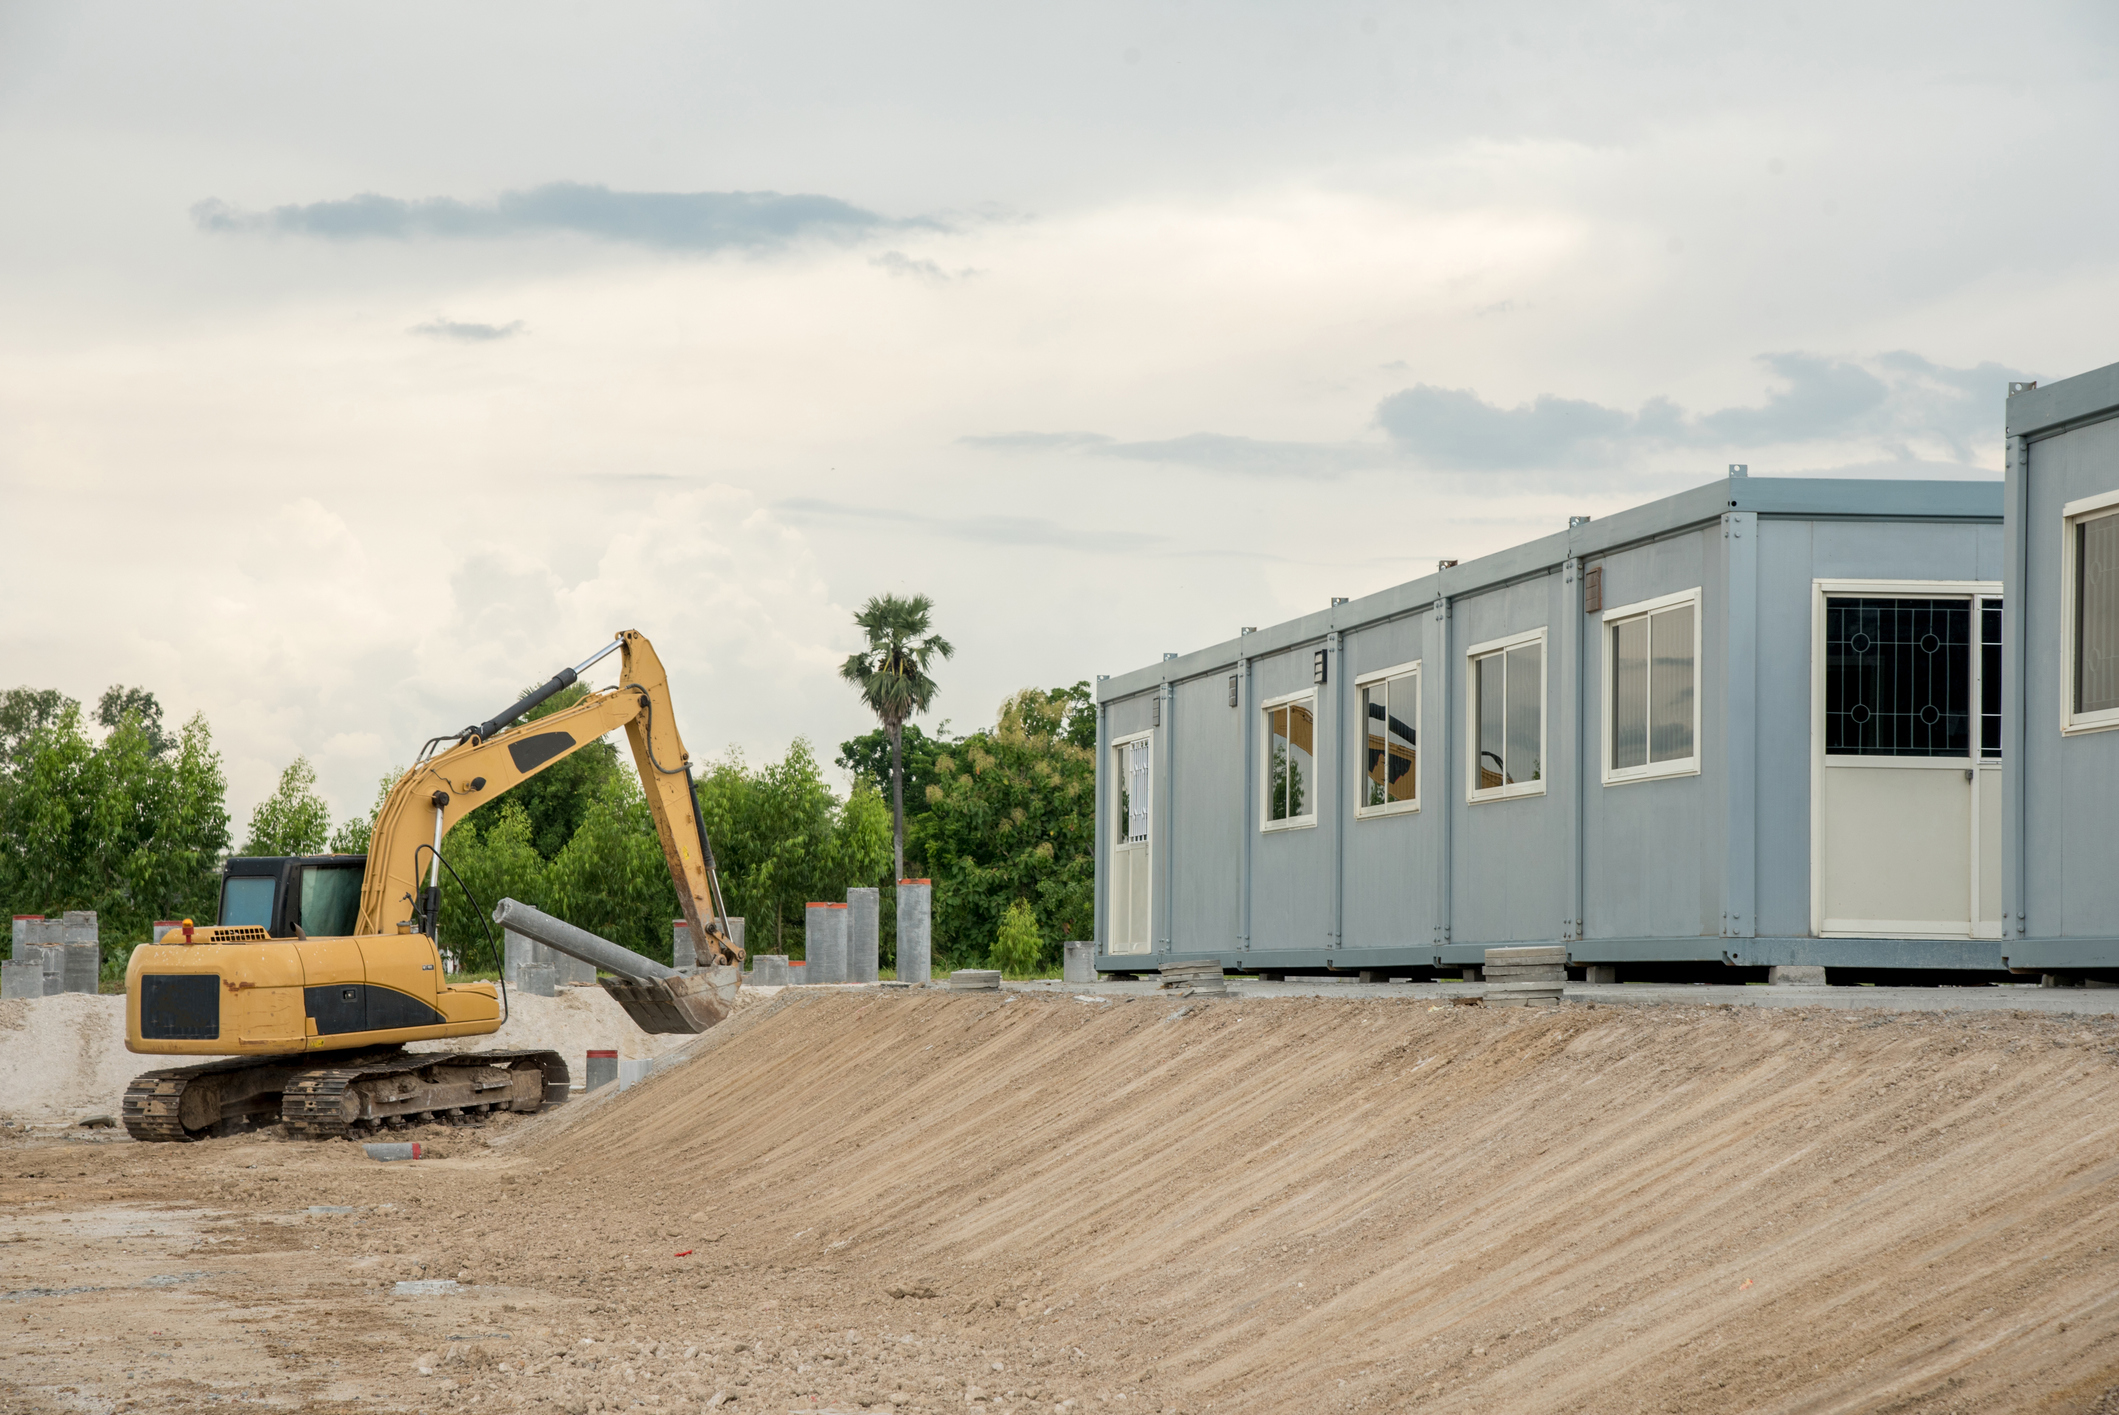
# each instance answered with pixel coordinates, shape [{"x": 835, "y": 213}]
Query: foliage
[
  {"x": 354, "y": 832},
  {"x": 558, "y": 799},
  {"x": 782, "y": 839},
  {"x": 1011, "y": 820},
  {"x": 293, "y": 820},
  {"x": 868, "y": 758},
  {"x": 891, "y": 676},
  {"x": 24, "y": 711},
  {"x": 611, "y": 878},
  {"x": 1019, "y": 948},
  {"x": 133, "y": 833},
  {"x": 499, "y": 863},
  {"x": 116, "y": 702}
]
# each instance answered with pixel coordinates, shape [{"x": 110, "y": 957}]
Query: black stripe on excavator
[
  {"x": 180, "y": 1007},
  {"x": 533, "y": 752},
  {"x": 365, "y": 1007}
]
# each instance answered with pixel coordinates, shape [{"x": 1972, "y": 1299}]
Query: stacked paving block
[
  {"x": 1525, "y": 977},
  {"x": 1190, "y": 978},
  {"x": 52, "y": 956},
  {"x": 975, "y": 980}
]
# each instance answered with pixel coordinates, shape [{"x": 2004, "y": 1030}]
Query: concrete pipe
[{"x": 563, "y": 937}]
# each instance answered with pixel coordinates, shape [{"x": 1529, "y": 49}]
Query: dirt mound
[
  {"x": 1304, "y": 1205},
  {"x": 63, "y": 1058}
]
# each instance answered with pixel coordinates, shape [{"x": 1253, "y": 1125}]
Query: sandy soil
[{"x": 1289, "y": 1205}]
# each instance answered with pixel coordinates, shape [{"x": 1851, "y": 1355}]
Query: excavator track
[
  {"x": 361, "y": 1094},
  {"x": 364, "y": 1097}
]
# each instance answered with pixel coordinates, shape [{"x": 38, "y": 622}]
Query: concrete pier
[
  {"x": 864, "y": 934},
  {"x": 521, "y": 951},
  {"x": 538, "y": 980},
  {"x": 767, "y": 970},
  {"x": 599, "y": 1069},
  {"x": 824, "y": 942},
  {"x": 915, "y": 931},
  {"x": 1078, "y": 961}
]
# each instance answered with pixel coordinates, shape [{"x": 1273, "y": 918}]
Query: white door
[
  {"x": 1132, "y": 869},
  {"x": 1906, "y": 772}
]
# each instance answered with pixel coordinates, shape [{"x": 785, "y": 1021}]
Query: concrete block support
[
  {"x": 768, "y": 970},
  {"x": 915, "y": 931},
  {"x": 1601, "y": 973},
  {"x": 21, "y": 977},
  {"x": 1078, "y": 961},
  {"x": 864, "y": 934},
  {"x": 1794, "y": 977},
  {"x": 81, "y": 969},
  {"x": 824, "y": 942},
  {"x": 600, "y": 1069}
]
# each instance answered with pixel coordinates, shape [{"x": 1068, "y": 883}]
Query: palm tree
[{"x": 891, "y": 676}]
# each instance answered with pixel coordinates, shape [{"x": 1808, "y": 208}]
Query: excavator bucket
[{"x": 682, "y": 1004}]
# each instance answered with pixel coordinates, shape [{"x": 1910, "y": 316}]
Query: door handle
[{"x": 1968, "y": 773}]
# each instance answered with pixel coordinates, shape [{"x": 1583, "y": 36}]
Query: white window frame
[
  {"x": 1677, "y": 766},
  {"x": 1391, "y": 808},
  {"x": 2089, "y": 508},
  {"x": 1265, "y": 768},
  {"x": 1472, "y": 656}
]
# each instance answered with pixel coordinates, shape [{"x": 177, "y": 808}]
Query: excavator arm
[{"x": 401, "y": 883}]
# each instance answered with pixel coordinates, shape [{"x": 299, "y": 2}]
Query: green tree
[
  {"x": 25, "y": 711},
  {"x": 134, "y": 833},
  {"x": 891, "y": 676},
  {"x": 1011, "y": 820},
  {"x": 354, "y": 832},
  {"x": 1019, "y": 949},
  {"x": 557, "y": 799},
  {"x": 611, "y": 878},
  {"x": 499, "y": 862},
  {"x": 118, "y": 702},
  {"x": 782, "y": 839},
  {"x": 293, "y": 820},
  {"x": 868, "y": 757}
]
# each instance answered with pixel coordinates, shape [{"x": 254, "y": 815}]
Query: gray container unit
[
  {"x": 2062, "y": 641},
  {"x": 1643, "y": 738}
]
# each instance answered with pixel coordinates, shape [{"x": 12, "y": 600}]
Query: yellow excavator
[{"x": 321, "y": 968}]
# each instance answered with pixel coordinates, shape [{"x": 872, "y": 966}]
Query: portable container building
[
  {"x": 2061, "y": 858},
  {"x": 1751, "y": 724}
]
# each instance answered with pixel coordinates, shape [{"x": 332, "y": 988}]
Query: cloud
[
  {"x": 1250, "y": 456},
  {"x": 442, "y": 327},
  {"x": 1902, "y": 407},
  {"x": 1897, "y": 402},
  {"x": 1036, "y": 441},
  {"x": 982, "y": 530},
  {"x": 900, "y": 264},
  {"x": 688, "y": 221}
]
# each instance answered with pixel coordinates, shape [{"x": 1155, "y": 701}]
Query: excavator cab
[{"x": 293, "y": 896}]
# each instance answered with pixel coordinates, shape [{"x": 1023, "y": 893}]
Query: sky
[{"x": 362, "y": 365}]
